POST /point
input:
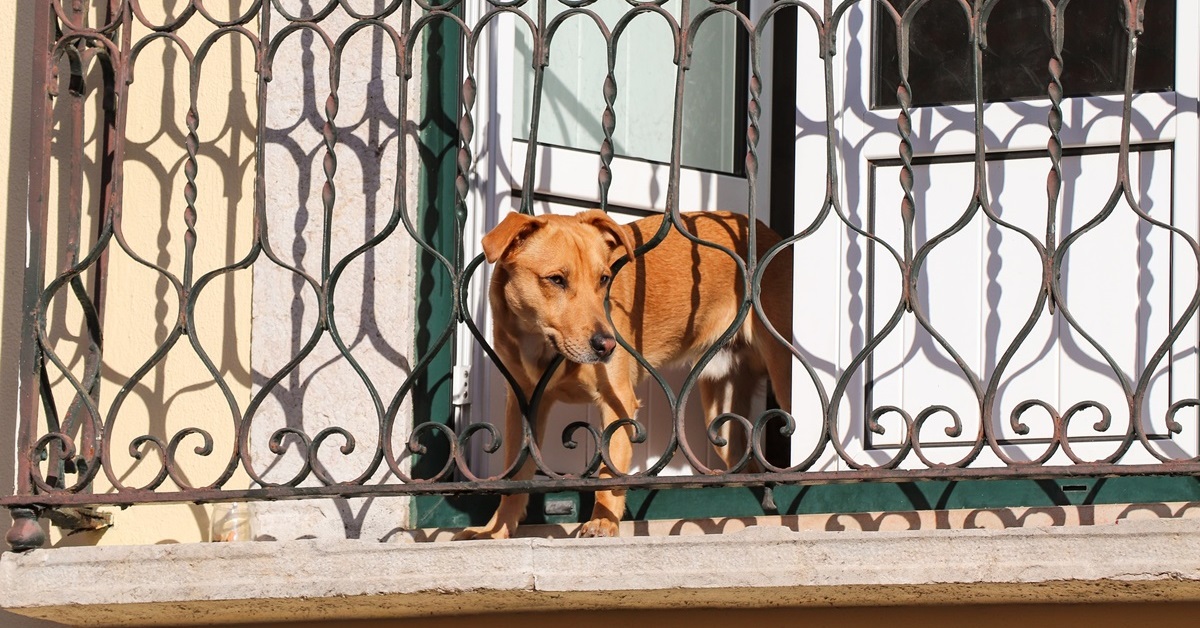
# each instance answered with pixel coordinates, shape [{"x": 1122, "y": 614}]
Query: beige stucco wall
[{"x": 372, "y": 304}]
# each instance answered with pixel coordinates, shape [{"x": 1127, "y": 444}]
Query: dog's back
[{"x": 681, "y": 296}]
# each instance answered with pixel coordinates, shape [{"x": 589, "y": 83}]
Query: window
[
  {"x": 1019, "y": 44},
  {"x": 714, "y": 129}
]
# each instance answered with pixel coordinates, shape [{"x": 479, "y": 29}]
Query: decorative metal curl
[
  {"x": 205, "y": 448},
  {"x": 39, "y": 452},
  {"x": 954, "y": 430},
  {"x": 1099, "y": 426},
  {"x": 760, "y": 429},
  {"x": 1175, "y": 426},
  {"x": 276, "y": 446},
  {"x": 346, "y": 449},
  {"x": 873, "y": 424},
  {"x": 491, "y": 445},
  {"x": 159, "y": 447},
  {"x": 714, "y": 437},
  {"x": 416, "y": 447},
  {"x": 639, "y": 436},
  {"x": 568, "y": 441}
]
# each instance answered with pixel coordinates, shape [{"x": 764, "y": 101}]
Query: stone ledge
[{"x": 759, "y": 567}]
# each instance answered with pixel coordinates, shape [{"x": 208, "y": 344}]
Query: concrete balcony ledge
[{"x": 761, "y": 566}]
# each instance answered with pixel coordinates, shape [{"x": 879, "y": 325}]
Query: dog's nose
[{"x": 603, "y": 344}]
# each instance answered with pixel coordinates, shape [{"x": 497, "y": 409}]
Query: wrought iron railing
[{"x": 71, "y": 442}]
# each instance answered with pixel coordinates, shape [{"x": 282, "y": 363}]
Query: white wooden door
[
  {"x": 568, "y": 163},
  {"x": 1126, "y": 282}
]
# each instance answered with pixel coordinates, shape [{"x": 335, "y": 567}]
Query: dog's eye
[
  {"x": 604, "y": 280},
  {"x": 557, "y": 280}
]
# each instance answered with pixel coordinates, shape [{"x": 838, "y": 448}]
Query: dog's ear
[
  {"x": 614, "y": 234},
  {"x": 514, "y": 228}
]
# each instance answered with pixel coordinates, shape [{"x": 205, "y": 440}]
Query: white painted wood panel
[{"x": 1125, "y": 281}]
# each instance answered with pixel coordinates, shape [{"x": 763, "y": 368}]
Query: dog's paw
[
  {"x": 599, "y": 527},
  {"x": 484, "y": 532}
]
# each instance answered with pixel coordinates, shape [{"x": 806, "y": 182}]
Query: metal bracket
[
  {"x": 460, "y": 393},
  {"x": 76, "y": 520}
]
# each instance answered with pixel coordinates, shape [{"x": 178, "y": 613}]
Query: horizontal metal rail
[{"x": 134, "y": 497}]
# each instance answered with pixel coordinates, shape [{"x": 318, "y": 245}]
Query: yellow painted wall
[
  {"x": 178, "y": 391},
  {"x": 141, "y": 305}
]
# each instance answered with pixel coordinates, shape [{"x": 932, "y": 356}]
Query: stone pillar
[{"x": 374, "y": 301}]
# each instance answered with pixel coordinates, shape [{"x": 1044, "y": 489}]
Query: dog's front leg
[
  {"x": 614, "y": 405},
  {"x": 512, "y": 507}
]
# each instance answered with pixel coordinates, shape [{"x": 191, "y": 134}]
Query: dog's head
[{"x": 554, "y": 272}]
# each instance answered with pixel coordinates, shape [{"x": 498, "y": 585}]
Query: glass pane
[
  {"x": 573, "y": 101},
  {"x": 1015, "y": 64}
]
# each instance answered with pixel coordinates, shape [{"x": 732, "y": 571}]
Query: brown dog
[{"x": 547, "y": 297}]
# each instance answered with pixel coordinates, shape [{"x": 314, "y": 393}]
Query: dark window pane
[{"x": 1015, "y": 64}]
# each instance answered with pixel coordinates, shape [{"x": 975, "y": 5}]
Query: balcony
[{"x": 254, "y": 275}]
